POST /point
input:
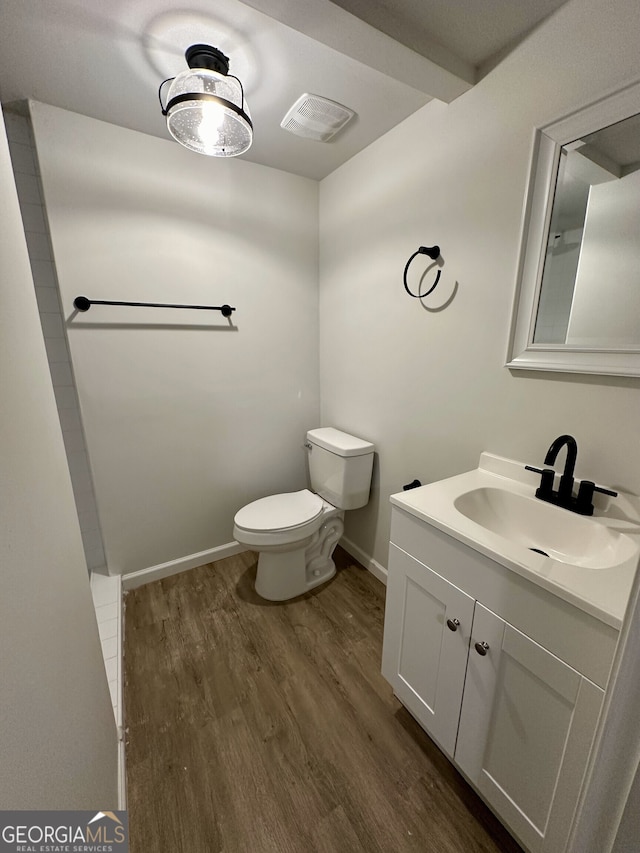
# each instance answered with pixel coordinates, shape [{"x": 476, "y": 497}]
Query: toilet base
[
  {"x": 279, "y": 575},
  {"x": 285, "y": 574}
]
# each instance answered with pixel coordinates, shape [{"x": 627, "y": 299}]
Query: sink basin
[
  {"x": 590, "y": 561},
  {"x": 543, "y": 527}
]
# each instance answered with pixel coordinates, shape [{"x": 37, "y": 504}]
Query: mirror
[{"x": 578, "y": 302}]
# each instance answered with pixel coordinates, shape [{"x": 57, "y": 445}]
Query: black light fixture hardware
[
  {"x": 81, "y": 303},
  {"x": 434, "y": 253},
  {"x": 205, "y": 106}
]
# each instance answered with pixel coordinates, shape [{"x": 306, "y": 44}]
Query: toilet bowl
[{"x": 295, "y": 533}]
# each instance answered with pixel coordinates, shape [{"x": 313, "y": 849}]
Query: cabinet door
[
  {"x": 426, "y": 640},
  {"x": 526, "y": 728}
]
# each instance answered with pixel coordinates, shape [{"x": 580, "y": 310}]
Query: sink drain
[{"x": 539, "y": 551}]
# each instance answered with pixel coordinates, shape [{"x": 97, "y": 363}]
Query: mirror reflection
[{"x": 590, "y": 291}]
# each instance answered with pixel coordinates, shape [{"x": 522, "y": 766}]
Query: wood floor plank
[
  {"x": 259, "y": 726},
  {"x": 335, "y": 833}
]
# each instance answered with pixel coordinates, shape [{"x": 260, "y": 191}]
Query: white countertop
[{"x": 602, "y": 592}]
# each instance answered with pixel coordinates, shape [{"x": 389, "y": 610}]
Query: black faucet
[
  {"x": 565, "y": 489},
  {"x": 563, "y": 495}
]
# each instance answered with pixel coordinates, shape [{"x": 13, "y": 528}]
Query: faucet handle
[
  {"x": 547, "y": 480},
  {"x": 533, "y": 468},
  {"x": 584, "y": 501},
  {"x": 604, "y": 491}
]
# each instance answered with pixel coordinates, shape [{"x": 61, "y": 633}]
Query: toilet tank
[{"x": 340, "y": 467}]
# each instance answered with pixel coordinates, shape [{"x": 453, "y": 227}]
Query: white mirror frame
[{"x": 547, "y": 142}]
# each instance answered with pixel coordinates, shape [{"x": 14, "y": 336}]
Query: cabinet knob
[
  {"x": 482, "y": 648},
  {"x": 453, "y": 624}
]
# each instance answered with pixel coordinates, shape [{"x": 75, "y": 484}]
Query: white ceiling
[{"x": 382, "y": 59}]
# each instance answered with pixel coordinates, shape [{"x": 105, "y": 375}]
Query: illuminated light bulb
[{"x": 211, "y": 127}]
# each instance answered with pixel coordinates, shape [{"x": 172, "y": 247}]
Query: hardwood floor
[{"x": 255, "y": 727}]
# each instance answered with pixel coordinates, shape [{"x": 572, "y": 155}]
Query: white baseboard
[
  {"x": 174, "y": 567},
  {"x": 376, "y": 569},
  {"x": 106, "y": 592},
  {"x": 122, "y": 767},
  {"x": 122, "y": 772},
  {"x": 120, "y": 654}
]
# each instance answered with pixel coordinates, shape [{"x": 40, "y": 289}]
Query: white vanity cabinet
[
  {"x": 426, "y": 643},
  {"x": 504, "y": 676},
  {"x": 526, "y": 726}
]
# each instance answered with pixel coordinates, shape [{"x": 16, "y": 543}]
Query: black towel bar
[{"x": 81, "y": 303}]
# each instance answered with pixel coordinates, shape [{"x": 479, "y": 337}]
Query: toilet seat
[{"x": 288, "y": 512}]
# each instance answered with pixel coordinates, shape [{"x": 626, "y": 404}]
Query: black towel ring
[{"x": 434, "y": 253}]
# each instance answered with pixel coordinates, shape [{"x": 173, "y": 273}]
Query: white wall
[
  {"x": 57, "y": 733},
  {"x": 628, "y": 836},
  {"x": 606, "y": 301},
  {"x": 34, "y": 219},
  {"x": 429, "y": 387},
  {"x": 186, "y": 419}
]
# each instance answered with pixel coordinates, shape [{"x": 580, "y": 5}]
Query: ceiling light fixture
[{"x": 205, "y": 107}]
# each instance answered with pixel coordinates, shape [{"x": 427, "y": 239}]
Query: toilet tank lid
[{"x": 338, "y": 442}]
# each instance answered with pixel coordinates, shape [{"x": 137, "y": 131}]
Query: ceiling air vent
[{"x": 316, "y": 118}]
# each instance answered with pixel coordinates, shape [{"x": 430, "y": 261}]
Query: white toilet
[{"x": 295, "y": 533}]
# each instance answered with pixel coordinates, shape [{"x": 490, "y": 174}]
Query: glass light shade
[{"x": 216, "y": 120}]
